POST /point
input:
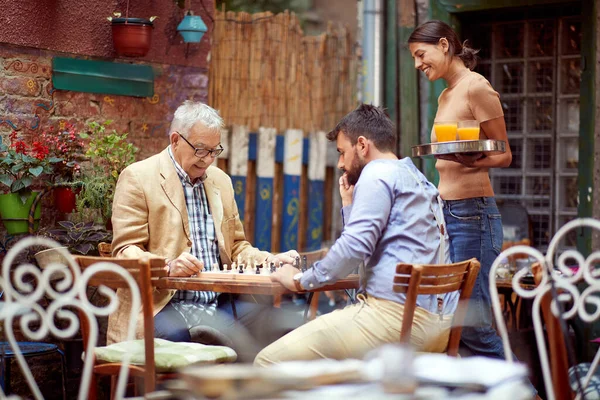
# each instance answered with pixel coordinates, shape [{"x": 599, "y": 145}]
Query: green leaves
[{"x": 36, "y": 171}]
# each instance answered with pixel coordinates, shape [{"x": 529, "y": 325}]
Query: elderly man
[
  {"x": 177, "y": 206},
  {"x": 391, "y": 214}
]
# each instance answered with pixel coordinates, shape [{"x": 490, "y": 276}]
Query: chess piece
[
  {"x": 215, "y": 267},
  {"x": 265, "y": 268},
  {"x": 241, "y": 266},
  {"x": 257, "y": 269},
  {"x": 304, "y": 264},
  {"x": 297, "y": 262},
  {"x": 234, "y": 269},
  {"x": 280, "y": 264},
  {"x": 272, "y": 267}
]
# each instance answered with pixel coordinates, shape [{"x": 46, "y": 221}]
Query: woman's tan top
[{"x": 470, "y": 98}]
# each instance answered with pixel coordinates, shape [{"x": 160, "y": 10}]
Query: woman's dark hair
[
  {"x": 369, "y": 121},
  {"x": 432, "y": 31}
]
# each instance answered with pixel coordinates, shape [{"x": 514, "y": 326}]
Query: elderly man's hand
[
  {"x": 287, "y": 258},
  {"x": 185, "y": 265}
]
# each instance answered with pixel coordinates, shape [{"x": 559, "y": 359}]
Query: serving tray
[{"x": 460, "y": 147}]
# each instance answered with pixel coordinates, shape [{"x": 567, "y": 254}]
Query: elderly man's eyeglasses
[{"x": 200, "y": 152}]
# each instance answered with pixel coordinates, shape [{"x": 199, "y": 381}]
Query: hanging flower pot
[
  {"x": 192, "y": 28},
  {"x": 132, "y": 36},
  {"x": 64, "y": 199},
  {"x": 15, "y": 213}
]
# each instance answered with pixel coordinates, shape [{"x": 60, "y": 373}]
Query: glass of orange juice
[
  {"x": 445, "y": 131},
  {"x": 468, "y": 130}
]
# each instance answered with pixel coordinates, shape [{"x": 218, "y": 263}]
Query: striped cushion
[
  {"x": 592, "y": 391},
  {"x": 168, "y": 356}
]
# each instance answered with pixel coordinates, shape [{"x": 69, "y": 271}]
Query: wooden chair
[
  {"x": 313, "y": 297},
  {"x": 431, "y": 279},
  {"x": 143, "y": 271},
  {"x": 566, "y": 283},
  {"x": 61, "y": 288},
  {"x": 146, "y": 272},
  {"x": 105, "y": 249}
]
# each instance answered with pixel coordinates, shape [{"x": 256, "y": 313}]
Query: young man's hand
[
  {"x": 346, "y": 190},
  {"x": 285, "y": 276}
]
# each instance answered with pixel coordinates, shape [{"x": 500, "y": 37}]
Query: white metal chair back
[
  {"x": 64, "y": 286},
  {"x": 564, "y": 280}
]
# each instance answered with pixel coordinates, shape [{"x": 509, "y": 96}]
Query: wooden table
[{"x": 250, "y": 284}]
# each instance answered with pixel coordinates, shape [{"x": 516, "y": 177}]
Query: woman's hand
[{"x": 346, "y": 190}]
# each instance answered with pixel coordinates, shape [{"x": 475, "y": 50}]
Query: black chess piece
[
  {"x": 272, "y": 269},
  {"x": 304, "y": 264},
  {"x": 241, "y": 268},
  {"x": 257, "y": 269},
  {"x": 297, "y": 262}
]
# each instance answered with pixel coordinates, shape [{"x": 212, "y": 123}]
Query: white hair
[{"x": 190, "y": 112}]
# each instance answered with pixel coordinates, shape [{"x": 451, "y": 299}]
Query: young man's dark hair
[{"x": 369, "y": 121}]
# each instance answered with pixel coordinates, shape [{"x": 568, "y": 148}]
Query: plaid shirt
[{"x": 202, "y": 231}]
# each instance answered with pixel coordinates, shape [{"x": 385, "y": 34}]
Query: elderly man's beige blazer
[{"x": 150, "y": 218}]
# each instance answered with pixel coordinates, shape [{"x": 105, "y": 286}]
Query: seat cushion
[
  {"x": 168, "y": 356},
  {"x": 592, "y": 391}
]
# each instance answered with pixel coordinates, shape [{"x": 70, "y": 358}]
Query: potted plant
[
  {"x": 78, "y": 238},
  {"x": 20, "y": 165},
  {"x": 67, "y": 145},
  {"x": 131, "y": 36},
  {"x": 110, "y": 154}
]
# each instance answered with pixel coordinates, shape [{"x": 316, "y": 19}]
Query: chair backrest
[
  {"x": 432, "y": 279},
  {"x": 105, "y": 249},
  {"x": 314, "y": 256},
  {"x": 144, "y": 271},
  {"x": 63, "y": 289},
  {"x": 565, "y": 281}
]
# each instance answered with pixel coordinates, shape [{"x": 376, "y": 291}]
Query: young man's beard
[{"x": 356, "y": 168}]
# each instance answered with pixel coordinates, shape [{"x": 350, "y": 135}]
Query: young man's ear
[{"x": 362, "y": 145}]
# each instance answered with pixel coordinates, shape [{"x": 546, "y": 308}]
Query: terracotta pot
[
  {"x": 131, "y": 36},
  {"x": 64, "y": 199}
]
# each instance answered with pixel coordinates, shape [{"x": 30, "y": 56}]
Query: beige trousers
[{"x": 357, "y": 329}]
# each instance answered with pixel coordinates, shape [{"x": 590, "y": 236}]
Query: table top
[
  {"x": 506, "y": 283},
  {"x": 244, "y": 283}
]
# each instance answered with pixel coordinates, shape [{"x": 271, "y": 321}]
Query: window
[{"x": 534, "y": 64}]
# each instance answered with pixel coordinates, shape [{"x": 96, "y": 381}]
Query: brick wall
[{"x": 28, "y": 102}]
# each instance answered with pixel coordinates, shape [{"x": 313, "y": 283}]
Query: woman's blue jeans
[{"x": 475, "y": 230}]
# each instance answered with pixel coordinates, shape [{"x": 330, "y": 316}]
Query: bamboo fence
[{"x": 265, "y": 72}]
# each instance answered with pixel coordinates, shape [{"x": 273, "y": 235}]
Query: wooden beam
[
  {"x": 458, "y": 6},
  {"x": 390, "y": 88},
  {"x": 409, "y": 88},
  {"x": 587, "y": 113}
]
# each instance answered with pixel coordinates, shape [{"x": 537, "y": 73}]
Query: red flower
[
  {"x": 20, "y": 147},
  {"x": 40, "y": 151}
]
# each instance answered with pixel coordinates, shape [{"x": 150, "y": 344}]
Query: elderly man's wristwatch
[{"x": 297, "y": 278}]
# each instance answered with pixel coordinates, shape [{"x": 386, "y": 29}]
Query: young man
[{"x": 391, "y": 214}]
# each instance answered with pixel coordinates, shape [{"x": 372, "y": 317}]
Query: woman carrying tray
[{"x": 472, "y": 217}]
